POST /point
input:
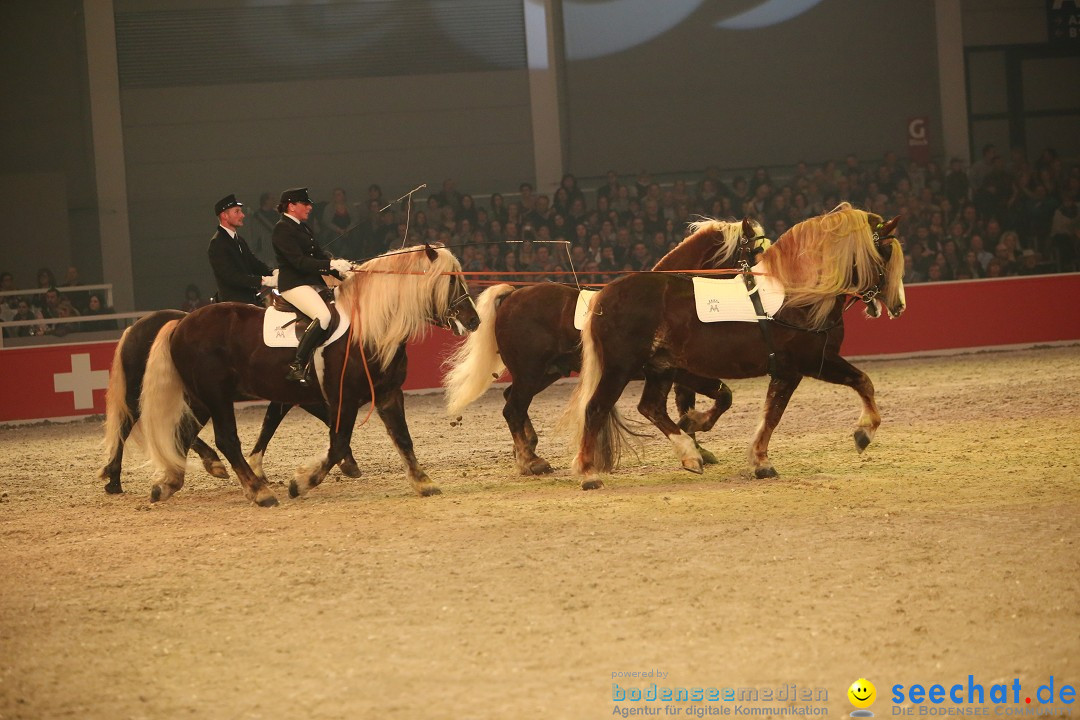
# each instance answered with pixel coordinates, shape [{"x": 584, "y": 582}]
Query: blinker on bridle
[{"x": 868, "y": 296}]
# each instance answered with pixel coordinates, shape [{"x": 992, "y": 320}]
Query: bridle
[
  {"x": 453, "y": 309},
  {"x": 872, "y": 294}
]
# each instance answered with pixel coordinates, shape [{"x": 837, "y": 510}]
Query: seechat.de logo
[{"x": 862, "y": 695}]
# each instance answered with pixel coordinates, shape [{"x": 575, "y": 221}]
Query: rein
[{"x": 746, "y": 254}]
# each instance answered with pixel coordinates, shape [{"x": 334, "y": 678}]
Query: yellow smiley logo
[{"x": 862, "y": 693}]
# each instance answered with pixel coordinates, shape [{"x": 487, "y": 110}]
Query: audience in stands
[{"x": 1000, "y": 217}]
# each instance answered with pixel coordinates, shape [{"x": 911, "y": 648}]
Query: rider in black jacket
[
  {"x": 238, "y": 272},
  {"x": 302, "y": 262}
]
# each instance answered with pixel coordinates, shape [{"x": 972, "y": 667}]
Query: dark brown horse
[
  {"x": 200, "y": 365},
  {"x": 122, "y": 405},
  {"x": 651, "y": 321},
  {"x": 530, "y": 332}
]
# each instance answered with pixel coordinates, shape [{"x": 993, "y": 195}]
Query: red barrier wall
[
  {"x": 62, "y": 381},
  {"x": 972, "y": 314}
]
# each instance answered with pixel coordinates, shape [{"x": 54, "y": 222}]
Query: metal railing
[
  {"x": 48, "y": 335},
  {"x": 107, "y": 287}
]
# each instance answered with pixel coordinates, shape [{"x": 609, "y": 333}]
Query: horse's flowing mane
[
  {"x": 830, "y": 255},
  {"x": 393, "y": 297},
  {"x": 718, "y": 240}
]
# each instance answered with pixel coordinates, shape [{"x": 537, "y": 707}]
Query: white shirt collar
[
  {"x": 295, "y": 220},
  {"x": 232, "y": 233}
]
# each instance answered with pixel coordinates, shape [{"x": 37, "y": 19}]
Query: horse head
[
  {"x": 890, "y": 287},
  {"x": 754, "y": 236},
  {"x": 460, "y": 317}
]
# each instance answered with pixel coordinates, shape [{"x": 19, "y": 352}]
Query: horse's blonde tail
[
  {"x": 476, "y": 364},
  {"x": 162, "y": 406},
  {"x": 117, "y": 412},
  {"x": 611, "y": 435}
]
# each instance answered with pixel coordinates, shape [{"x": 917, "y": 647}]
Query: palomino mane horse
[
  {"x": 650, "y": 321},
  {"x": 122, "y": 405},
  {"x": 199, "y": 365},
  {"x": 530, "y": 332}
]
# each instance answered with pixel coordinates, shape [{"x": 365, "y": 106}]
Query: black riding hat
[
  {"x": 296, "y": 195},
  {"x": 229, "y": 201}
]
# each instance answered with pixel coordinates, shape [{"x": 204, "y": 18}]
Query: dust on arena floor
[{"x": 948, "y": 549}]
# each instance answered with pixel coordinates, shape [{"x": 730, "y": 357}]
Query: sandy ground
[{"x": 951, "y": 547}]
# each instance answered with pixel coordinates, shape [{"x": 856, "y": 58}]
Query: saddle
[
  {"x": 301, "y": 321},
  {"x": 284, "y": 324}
]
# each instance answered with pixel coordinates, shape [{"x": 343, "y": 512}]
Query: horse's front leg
[
  {"x": 210, "y": 460},
  {"x": 228, "y": 442},
  {"x": 348, "y": 465},
  {"x": 391, "y": 409},
  {"x": 839, "y": 371},
  {"x": 776, "y": 400},
  {"x": 313, "y": 473},
  {"x": 653, "y": 405}
]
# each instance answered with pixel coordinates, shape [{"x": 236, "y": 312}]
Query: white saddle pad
[
  {"x": 728, "y": 301},
  {"x": 584, "y": 302},
  {"x": 276, "y": 334}
]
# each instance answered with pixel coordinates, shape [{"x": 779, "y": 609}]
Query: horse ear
[
  {"x": 748, "y": 228},
  {"x": 887, "y": 227},
  {"x": 430, "y": 252}
]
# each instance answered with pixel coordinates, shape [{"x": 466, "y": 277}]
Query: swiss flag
[{"x": 54, "y": 381}]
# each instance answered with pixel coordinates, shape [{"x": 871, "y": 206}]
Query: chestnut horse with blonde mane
[
  {"x": 650, "y": 320},
  {"x": 200, "y": 365},
  {"x": 122, "y": 405},
  {"x": 530, "y": 332}
]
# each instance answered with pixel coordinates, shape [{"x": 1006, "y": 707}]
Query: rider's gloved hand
[
  {"x": 270, "y": 281},
  {"x": 340, "y": 265}
]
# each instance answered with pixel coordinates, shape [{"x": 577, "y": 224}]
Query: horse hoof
[
  {"x": 707, "y": 456},
  {"x": 294, "y": 490},
  {"x": 693, "y": 465},
  {"x": 539, "y": 466},
  {"x": 862, "y": 439},
  {"x": 114, "y": 488},
  {"x": 155, "y": 493},
  {"x": 594, "y": 484},
  {"x": 268, "y": 501},
  {"x": 217, "y": 469},
  {"x": 349, "y": 468},
  {"x": 765, "y": 472},
  {"x": 429, "y": 490}
]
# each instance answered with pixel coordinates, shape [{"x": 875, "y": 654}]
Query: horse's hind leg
[
  {"x": 275, "y": 412},
  {"x": 591, "y": 457},
  {"x": 839, "y": 371},
  {"x": 171, "y": 483},
  {"x": 692, "y": 421},
  {"x": 111, "y": 472},
  {"x": 776, "y": 400},
  {"x": 653, "y": 405},
  {"x": 519, "y": 396}
]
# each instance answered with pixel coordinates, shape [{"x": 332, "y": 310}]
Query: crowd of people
[
  {"x": 52, "y": 300},
  {"x": 1002, "y": 216}
]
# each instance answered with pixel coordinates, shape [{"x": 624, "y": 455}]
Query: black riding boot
[{"x": 313, "y": 337}]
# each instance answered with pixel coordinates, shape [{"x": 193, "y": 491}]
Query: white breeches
[{"x": 307, "y": 300}]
